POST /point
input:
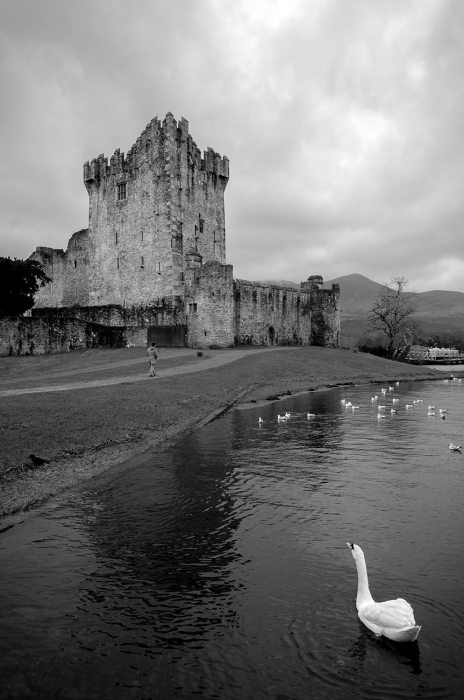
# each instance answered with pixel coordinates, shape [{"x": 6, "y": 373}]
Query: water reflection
[{"x": 219, "y": 567}]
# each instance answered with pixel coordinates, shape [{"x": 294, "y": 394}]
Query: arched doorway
[{"x": 271, "y": 335}]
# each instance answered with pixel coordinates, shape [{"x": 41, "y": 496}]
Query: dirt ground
[{"x": 87, "y": 411}]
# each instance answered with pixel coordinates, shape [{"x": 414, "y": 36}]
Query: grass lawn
[{"x": 138, "y": 416}]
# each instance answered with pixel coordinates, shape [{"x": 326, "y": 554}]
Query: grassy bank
[{"x": 85, "y": 431}]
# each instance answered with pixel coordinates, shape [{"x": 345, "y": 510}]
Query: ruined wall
[
  {"x": 271, "y": 315},
  {"x": 147, "y": 210},
  {"x": 209, "y": 306},
  {"x": 20, "y": 335},
  {"x": 325, "y": 305},
  {"x": 135, "y": 320}
]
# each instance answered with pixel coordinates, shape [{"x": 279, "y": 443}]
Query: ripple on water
[
  {"x": 219, "y": 568},
  {"x": 341, "y": 655}
]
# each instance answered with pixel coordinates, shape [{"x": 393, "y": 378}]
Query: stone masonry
[{"x": 155, "y": 254}]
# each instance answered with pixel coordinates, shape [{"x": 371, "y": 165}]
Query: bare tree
[{"x": 392, "y": 314}]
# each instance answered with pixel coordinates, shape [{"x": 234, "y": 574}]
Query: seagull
[
  {"x": 392, "y": 618},
  {"x": 420, "y": 400},
  {"x": 431, "y": 413},
  {"x": 279, "y": 417},
  {"x": 343, "y": 401},
  {"x": 384, "y": 391},
  {"x": 409, "y": 405},
  {"x": 310, "y": 415},
  {"x": 38, "y": 461},
  {"x": 348, "y": 403},
  {"x": 393, "y": 410},
  {"x": 391, "y": 388},
  {"x": 287, "y": 415},
  {"x": 431, "y": 408},
  {"x": 353, "y": 407},
  {"x": 396, "y": 400},
  {"x": 260, "y": 420},
  {"x": 380, "y": 415},
  {"x": 374, "y": 398},
  {"x": 381, "y": 408},
  {"x": 444, "y": 410},
  {"x": 455, "y": 448},
  {"x": 397, "y": 383}
]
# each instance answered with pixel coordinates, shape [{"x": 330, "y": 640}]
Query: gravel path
[{"x": 222, "y": 358}]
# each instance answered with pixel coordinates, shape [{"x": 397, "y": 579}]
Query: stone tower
[{"x": 149, "y": 211}]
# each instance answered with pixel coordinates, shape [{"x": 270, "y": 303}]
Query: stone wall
[
  {"x": 69, "y": 272},
  {"x": 325, "y": 305},
  {"x": 20, "y": 335},
  {"x": 271, "y": 315},
  {"x": 209, "y": 306}
]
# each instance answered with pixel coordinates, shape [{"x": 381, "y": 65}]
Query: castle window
[
  {"x": 122, "y": 194},
  {"x": 192, "y": 308},
  {"x": 158, "y": 268},
  {"x": 142, "y": 235},
  {"x": 141, "y": 262},
  {"x": 117, "y": 263},
  {"x": 202, "y": 225},
  {"x": 116, "y": 238},
  {"x": 75, "y": 263}
]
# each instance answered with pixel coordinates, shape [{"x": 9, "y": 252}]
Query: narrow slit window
[
  {"x": 117, "y": 263},
  {"x": 141, "y": 262},
  {"x": 116, "y": 238},
  {"x": 202, "y": 225},
  {"x": 122, "y": 192}
]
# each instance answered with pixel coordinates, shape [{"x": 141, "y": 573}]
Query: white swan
[{"x": 393, "y": 618}]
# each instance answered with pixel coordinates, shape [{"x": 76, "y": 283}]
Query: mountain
[{"x": 438, "y": 311}]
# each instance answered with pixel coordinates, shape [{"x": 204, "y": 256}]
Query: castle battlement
[{"x": 162, "y": 141}]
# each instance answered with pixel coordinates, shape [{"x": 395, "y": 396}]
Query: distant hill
[{"x": 438, "y": 311}]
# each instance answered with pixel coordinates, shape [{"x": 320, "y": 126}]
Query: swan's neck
[{"x": 364, "y": 594}]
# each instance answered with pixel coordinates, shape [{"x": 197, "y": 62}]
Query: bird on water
[{"x": 392, "y": 618}]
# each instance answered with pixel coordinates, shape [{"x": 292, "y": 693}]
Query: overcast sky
[{"x": 343, "y": 121}]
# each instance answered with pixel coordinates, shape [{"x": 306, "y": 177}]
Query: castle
[{"x": 153, "y": 258}]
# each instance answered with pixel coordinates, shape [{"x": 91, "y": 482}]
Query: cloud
[{"x": 342, "y": 120}]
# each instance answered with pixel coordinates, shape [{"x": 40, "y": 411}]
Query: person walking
[{"x": 152, "y": 354}]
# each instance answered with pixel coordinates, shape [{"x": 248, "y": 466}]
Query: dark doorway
[
  {"x": 167, "y": 336},
  {"x": 271, "y": 335}
]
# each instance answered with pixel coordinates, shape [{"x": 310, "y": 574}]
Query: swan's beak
[{"x": 350, "y": 545}]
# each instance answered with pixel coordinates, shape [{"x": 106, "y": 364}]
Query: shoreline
[{"x": 25, "y": 491}]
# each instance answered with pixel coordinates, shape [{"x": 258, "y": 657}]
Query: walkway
[{"x": 222, "y": 358}]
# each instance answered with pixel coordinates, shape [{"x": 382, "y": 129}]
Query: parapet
[{"x": 98, "y": 168}]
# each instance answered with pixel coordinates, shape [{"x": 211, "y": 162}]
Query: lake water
[{"x": 219, "y": 569}]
